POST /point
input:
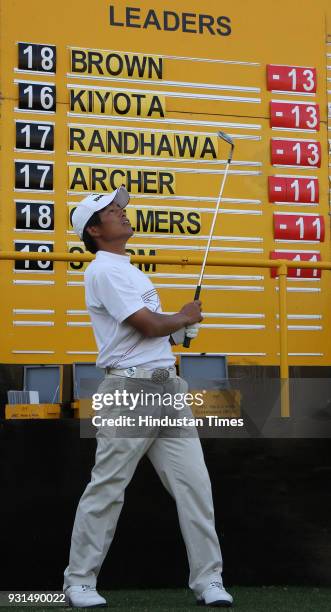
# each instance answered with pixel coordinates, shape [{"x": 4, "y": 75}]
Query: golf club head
[
  {"x": 225, "y": 137},
  {"x": 229, "y": 140}
]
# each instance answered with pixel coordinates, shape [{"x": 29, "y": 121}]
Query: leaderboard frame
[{"x": 83, "y": 117}]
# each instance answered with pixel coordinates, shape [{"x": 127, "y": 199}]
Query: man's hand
[{"x": 192, "y": 310}]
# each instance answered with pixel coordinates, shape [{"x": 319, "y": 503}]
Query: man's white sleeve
[{"x": 118, "y": 294}]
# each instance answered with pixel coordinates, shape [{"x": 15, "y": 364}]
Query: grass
[{"x": 246, "y": 599}]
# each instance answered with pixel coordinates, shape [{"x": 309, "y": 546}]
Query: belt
[{"x": 158, "y": 375}]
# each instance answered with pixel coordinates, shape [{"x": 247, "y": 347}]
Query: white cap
[{"x": 94, "y": 202}]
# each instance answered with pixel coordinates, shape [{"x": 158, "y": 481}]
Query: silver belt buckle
[
  {"x": 160, "y": 375},
  {"x": 130, "y": 371}
]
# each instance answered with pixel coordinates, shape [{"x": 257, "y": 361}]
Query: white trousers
[{"x": 177, "y": 457}]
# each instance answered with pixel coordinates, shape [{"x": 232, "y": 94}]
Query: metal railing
[{"x": 281, "y": 265}]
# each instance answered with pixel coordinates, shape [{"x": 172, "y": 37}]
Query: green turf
[
  {"x": 246, "y": 599},
  {"x": 263, "y": 599}
]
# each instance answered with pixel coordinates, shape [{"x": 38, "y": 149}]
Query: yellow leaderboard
[{"x": 103, "y": 94}]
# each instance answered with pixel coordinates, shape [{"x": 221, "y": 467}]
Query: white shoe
[
  {"x": 215, "y": 595},
  {"x": 84, "y": 596}
]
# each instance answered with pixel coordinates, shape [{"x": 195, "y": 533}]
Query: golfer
[{"x": 133, "y": 336}]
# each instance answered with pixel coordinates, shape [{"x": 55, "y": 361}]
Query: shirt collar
[{"x": 113, "y": 256}]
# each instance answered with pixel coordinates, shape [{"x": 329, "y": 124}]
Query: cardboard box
[
  {"x": 224, "y": 403},
  {"x": 83, "y": 409},
  {"x": 32, "y": 411}
]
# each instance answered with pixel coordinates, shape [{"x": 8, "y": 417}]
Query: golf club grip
[
  {"x": 187, "y": 341},
  {"x": 197, "y": 292}
]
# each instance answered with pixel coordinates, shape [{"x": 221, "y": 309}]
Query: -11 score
[{"x": 293, "y": 189}]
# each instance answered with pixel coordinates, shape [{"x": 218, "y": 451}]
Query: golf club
[{"x": 229, "y": 140}]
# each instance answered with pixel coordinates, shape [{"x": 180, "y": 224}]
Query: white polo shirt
[{"x": 115, "y": 289}]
